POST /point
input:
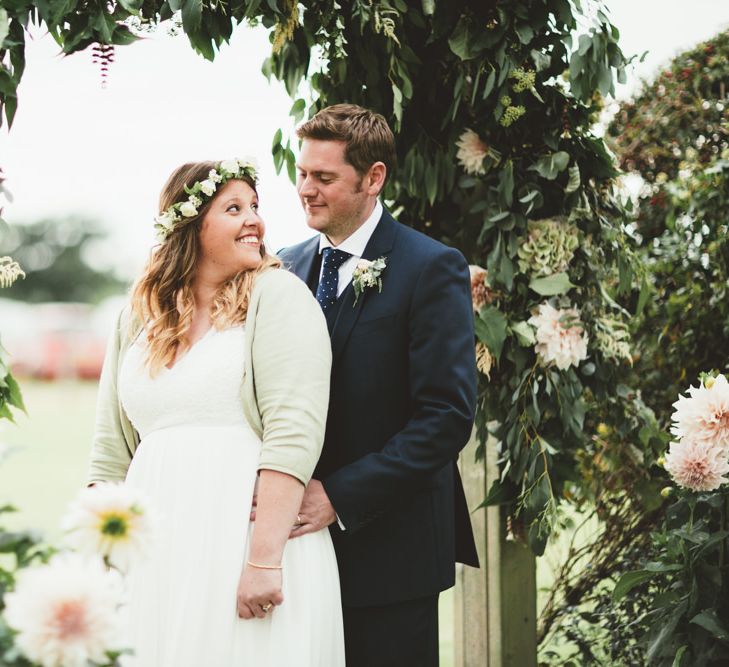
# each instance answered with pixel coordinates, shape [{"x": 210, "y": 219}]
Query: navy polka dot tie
[{"x": 326, "y": 293}]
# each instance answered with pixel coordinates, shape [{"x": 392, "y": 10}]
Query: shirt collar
[{"x": 356, "y": 243}]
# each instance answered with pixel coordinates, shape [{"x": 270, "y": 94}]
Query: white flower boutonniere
[{"x": 368, "y": 274}]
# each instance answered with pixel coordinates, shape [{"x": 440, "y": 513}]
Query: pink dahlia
[{"x": 696, "y": 465}]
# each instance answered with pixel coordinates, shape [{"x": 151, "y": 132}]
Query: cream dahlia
[
  {"x": 561, "y": 339},
  {"x": 696, "y": 465},
  {"x": 65, "y": 612},
  {"x": 471, "y": 152},
  {"x": 481, "y": 293},
  {"x": 703, "y": 415}
]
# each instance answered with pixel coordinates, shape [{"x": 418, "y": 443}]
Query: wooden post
[{"x": 494, "y": 620}]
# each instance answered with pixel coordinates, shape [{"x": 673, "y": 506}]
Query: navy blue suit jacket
[{"x": 402, "y": 406}]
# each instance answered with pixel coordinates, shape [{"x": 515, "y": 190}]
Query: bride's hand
[{"x": 257, "y": 589}]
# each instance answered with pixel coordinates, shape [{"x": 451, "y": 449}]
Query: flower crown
[{"x": 179, "y": 214}]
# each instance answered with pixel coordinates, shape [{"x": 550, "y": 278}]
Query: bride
[{"x": 215, "y": 387}]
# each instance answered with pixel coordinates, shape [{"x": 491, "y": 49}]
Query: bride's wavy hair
[{"x": 162, "y": 297}]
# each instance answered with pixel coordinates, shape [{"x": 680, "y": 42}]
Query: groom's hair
[{"x": 366, "y": 135}]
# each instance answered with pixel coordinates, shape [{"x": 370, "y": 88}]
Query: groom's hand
[{"x": 316, "y": 511}]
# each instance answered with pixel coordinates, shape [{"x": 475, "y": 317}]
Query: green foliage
[
  {"x": 54, "y": 254},
  {"x": 18, "y": 549},
  {"x": 687, "y": 624}
]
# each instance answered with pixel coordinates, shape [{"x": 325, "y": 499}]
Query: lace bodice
[{"x": 202, "y": 388}]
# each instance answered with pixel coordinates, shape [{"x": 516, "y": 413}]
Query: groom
[{"x": 402, "y": 396}]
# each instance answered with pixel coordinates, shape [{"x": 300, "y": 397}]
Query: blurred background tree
[
  {"x": 675, "y": 137},
  {"x": 58, "y": 258},
  {"x": 672, "y": 139}
]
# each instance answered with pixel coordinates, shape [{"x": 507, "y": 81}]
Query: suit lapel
[
  {"x": 302, "y": 263},
  {"x": 379, "y": 245}
]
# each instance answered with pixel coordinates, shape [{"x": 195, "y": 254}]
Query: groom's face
[{"x": 331, "y": 190}]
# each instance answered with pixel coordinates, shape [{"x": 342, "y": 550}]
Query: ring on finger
[
  {"x": 298, "y": 519},
  {"x": 266, "y": 607}
]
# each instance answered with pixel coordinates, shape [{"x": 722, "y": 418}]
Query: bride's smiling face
[{"x": 231, "y": 235}]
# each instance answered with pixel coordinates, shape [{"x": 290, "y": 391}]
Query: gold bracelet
[{"x": 265, "y": 567}]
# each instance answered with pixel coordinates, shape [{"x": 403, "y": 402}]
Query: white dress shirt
[{"x": 355, "y": 245}]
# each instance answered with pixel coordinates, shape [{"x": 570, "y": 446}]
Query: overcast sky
[{"x": 105, "y": 153}]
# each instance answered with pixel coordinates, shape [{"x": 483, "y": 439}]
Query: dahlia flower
[
  {"x": 481, "y": 293},
  {"x": 472, "y": 152},
  {"x": 697, "y": 465},
  {"x": 110, "y": 520},
  {"x": 65, "y": 612},
  {"x": 703, "y": 415},
  {"x": 561, "y": 339}
]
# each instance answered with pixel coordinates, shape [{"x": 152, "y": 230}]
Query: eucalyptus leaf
[
  {"x": 4, "y": 25},
  {"x": 461, "y": 42},
  {"x": 491, "y": 326},
  {"x": 574, "y": 180},
  {"x": 557, "y": 283},
  {"x": 629, "y": 581},
  {"x": 709, "y": 620},
  {"x": 524, "y": 333},
  {"x": 549, "y": 166},
  {"x": 428, "y": 7},
  {"x": 679, "y": 656}
]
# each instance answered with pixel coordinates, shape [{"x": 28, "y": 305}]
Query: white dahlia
[
  {"x": 697, "y": 465},
  {"x": 703, "y": 415},
  {"x": 110, "y": 520},
  {"x": 65, "y": 612},
  {"x": 561, "y": 339}
]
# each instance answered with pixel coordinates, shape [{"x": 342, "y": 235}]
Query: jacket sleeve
[
  {"x": 292, "y": 358},
  {"x": 442, "y": 387},
  {"x": 110, "y": 455}
]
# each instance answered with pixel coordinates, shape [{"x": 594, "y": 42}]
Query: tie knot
[{"x": 334, "y": 258}]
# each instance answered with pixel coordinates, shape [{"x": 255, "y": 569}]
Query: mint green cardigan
[{"x": 285, "y": 384}]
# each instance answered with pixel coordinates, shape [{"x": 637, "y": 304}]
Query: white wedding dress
[{"x": 197, "y": 463}]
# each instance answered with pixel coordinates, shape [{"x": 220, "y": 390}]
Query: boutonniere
[{"x": 368, "y": 274}]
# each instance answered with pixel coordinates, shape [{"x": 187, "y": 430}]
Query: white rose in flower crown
[
  {"x": 188, "y": 209},
  {"x": 214, "y": 176},
  {"x": 208, "y": 187},
  {"x": 248, "y": 161},
  {"x": 561, "y": 340},
  {"x": 166, "y": 219},
  {"x": 230, "y": 166},
  {"x": 65, "y": 612}
]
